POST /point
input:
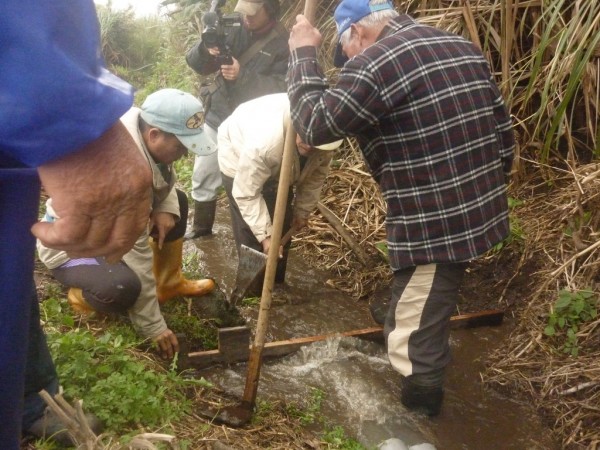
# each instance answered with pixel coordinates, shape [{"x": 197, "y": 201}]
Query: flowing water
[{"x": 361, "y": 391}]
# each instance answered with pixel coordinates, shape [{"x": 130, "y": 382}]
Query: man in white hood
[{"x": 251, "y": 142}]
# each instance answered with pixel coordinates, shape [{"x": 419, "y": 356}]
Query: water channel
[{"x": 361, "y": 391}]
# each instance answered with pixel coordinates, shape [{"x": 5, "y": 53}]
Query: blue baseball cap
[
  {"x": 347, "y": 13},
  {"x": 181, "y": 114}
]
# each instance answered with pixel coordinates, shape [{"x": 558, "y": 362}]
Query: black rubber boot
[
  {"x": 378, "y": 307},
  {"x": 424, "y": 399},
  {"x": 204, "y": 218}
]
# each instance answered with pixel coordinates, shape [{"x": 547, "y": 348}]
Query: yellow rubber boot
[
  {"x": 167, "y": 272},
  {"x": 78, "y": 303}
]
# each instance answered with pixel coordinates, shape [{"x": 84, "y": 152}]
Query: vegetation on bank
[
  {"x": 100, "y": 359},
  {"x": 546, "y": 57}
]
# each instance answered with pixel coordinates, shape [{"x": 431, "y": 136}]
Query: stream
[{"x": 360, "y": 390}]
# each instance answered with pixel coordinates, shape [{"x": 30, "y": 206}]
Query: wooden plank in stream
[{"x": 234, "y": 343}]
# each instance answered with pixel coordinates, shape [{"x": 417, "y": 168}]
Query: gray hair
[{"x": 374, "y": 19}]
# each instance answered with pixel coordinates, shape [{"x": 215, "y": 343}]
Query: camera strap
[
  {"x": 209, "y": 88},
  {"x": 259, "y": 44}
]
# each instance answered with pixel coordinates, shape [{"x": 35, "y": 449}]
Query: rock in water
[
  {"x": 392, "y": 444},
  {"x": 423, "y": 446}
]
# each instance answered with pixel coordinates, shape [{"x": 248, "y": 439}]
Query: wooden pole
[{"x": 255, "y": 359}]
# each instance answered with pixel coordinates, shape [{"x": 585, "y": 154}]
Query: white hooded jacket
[{"x": 250, "y": 143}]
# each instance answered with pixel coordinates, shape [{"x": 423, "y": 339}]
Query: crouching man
[{"x": 169, "y": 123}]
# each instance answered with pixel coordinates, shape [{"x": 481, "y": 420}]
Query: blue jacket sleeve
[{"x": 56, "y": 94}]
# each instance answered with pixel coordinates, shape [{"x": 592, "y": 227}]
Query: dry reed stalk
[{"x": 563, "y": 388}]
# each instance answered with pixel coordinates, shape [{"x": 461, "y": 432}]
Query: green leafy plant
[
  {"x": 251, "y": 301},
  {"x": 109, "y": 372},
  {"x": 516, "y": 230},
  {"x": 200, "y": 332},
  {"x": 310, "y": 412},
  {"x": 336, "y": 439},
  {"x": 118, "y": 386},
  {"x": 184, "y": 168},
  {"x": 569, "y": 312},
  {"x": 382, "y": 249}
]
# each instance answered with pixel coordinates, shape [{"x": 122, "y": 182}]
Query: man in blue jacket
[{"x": 59, "y": 124}]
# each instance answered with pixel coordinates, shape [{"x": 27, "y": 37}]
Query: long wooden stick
[
  {"x": 255, "y": 360},
  {"x": 337, "y": 224},
  {"x": 233, "y": 342}
]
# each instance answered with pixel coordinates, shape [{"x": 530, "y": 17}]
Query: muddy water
[{"x": 360, "y": 389}]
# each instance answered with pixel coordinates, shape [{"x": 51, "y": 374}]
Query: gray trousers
[
  {"x": 417, "y": 325},
  {"x": 206, "y": 178}
]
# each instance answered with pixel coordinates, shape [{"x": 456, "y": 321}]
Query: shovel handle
[{"x": 254, "y": 361}]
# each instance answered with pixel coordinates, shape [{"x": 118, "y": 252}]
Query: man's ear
[
  {"x": 357, "y": 31},
  {"x": 152, "y": 134}
]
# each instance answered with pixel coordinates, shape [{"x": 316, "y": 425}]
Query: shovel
[
  {"x": 251, "y": 265},
  {"x": 240, "y": 414}
]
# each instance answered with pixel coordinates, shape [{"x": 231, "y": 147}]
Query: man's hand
[
  {"x": 266, "y": 245},
  {"x": 160, "y": 225},
  {"x": 304, "y": 34},
  {"x": 298, "y": 223},
  {"x": 167, "y": 344},
  {"x": 101, "y": 195},
  {"x": 231, "y": 72}
]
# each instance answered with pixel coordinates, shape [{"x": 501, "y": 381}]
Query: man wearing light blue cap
[
  {"x": 434, "y": 131},
  {"x": 169, "y": 123}
]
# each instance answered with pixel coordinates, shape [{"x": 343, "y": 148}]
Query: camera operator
[{"x": 259, "y": 50}]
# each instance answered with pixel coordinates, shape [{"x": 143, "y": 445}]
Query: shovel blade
[
  {"x": 234, "y": 416},
  {"x": 251, "y": 264}
]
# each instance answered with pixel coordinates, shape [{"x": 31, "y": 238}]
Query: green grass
[
  {"x": 200, "y": 333},
  {"x": 109, "y": 372},
  {"x": 309, "y": 413},
  {"x": 336, "y": 438}
]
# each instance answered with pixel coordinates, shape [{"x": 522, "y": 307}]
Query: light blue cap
[{"x": 181, "y": 114}]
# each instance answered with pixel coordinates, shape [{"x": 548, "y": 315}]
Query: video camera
[{"x": 216, "y": 27}]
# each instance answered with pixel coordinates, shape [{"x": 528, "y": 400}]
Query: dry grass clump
[
  {"x": 562, "y": 231},
  {"x": 354, "y": 197}
]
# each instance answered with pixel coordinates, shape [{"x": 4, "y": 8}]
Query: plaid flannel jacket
[{"x": 433, "y": 129}]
